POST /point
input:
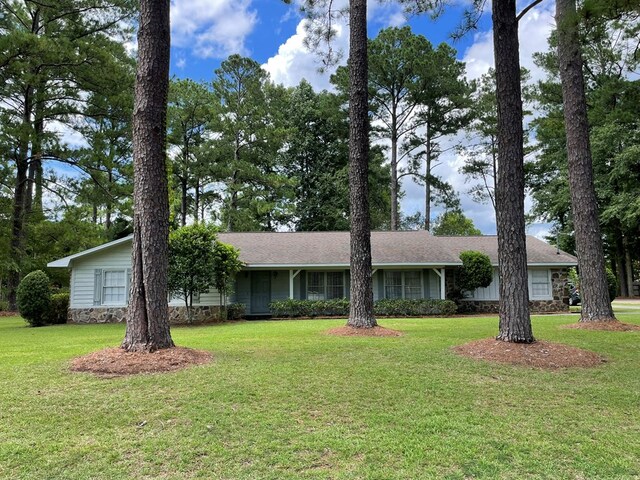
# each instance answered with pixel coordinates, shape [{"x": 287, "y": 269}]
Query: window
[
  {"x": 315, "y": 286},
  {"x": 392, "y": 284},
  {"x": 114, "y": 287},
  {"x": 335, "y": 285},
  {"x": 403, "y": 284},
  {"x": 325, "y": 285},
  {"x": 540, "y": 285}
]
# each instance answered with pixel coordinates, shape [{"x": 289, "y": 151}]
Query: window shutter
[
  {"x": 128, "y": 285},
  {"x": 97, "y": 286}
]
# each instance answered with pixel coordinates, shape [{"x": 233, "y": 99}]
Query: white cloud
[
  {"x": 212, "y": 28},
  {"x": 294, "y": 62}
]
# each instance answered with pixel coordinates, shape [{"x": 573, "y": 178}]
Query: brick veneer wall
[{"x": 177, "y": 315}]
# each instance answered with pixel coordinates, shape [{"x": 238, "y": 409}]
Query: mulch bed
[
  {"x": 377, "y": 331},
  {"x": 8, "y": 314},
  {"x": 614, "y": 326},
  {"x": 116, "y": 362},
  {"x": 540, "y": 354}
]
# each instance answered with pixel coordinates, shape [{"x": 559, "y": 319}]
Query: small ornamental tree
[
  {"x": 34, "y": 298},
  {"x": 476, "y": 271},
  {"x": 226, "y": 265},
  {"x": 191, "y": 263}
]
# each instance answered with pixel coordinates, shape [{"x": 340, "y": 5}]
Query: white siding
[
  {"x": 82, "y": 274},
  {"x": 492, "y": 292},
  {"x": 118, "y": 257}
]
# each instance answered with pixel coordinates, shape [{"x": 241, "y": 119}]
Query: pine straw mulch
[
  {"x": 4, "y": 313},
  {"x": 611, "y": 326},
  {"x": 540, "y": 354},
  {"x": 116, "y": 362},
  {"x": 377, "y": 331}
]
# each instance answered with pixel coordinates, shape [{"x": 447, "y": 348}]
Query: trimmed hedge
[
  {"x": 414, "y": 308},
  {"x": 340, "y": 308},
  {"x": 59, "y": 308}
]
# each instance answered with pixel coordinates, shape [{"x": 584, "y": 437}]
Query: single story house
[{"x": 315, "y": 266}]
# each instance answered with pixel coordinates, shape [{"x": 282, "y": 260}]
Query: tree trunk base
[
  {"x": 598, "y": 318},
  {"x": 362, "y": 322},
  {"x": 512, "y": 338},
  {"x": 150, "y": 347}
]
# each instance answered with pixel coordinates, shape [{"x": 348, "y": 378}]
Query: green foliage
[
  {"x": 226, "y": 264},
  {"x": 340, "y": 308},
  {"x": 316, "y": 159},
  {"x": 414, "y": 308},
  {"x": 235, "y": 311},
  {"x": 34, "y": 298},
  {"x": 454, "y": 223},
  {"x": 309, "y": 308},
  {"x": 4, "y": 306},
  {"x": 58, "y": 308},
  {"x": 476, "y": 270},
  {"x": 192, "y": 262}
]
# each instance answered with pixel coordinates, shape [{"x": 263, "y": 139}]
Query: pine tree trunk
[
  {"x": 628, "y": 263},
  {"x": 361, "y": 305},
  {"x": 148, "y": 314},
  {"x": 620, "y": 266},
  {"x": 427, "y": 185},
  {"x": 395, "y": 221},
  {"x": 19, "y": 201},
  {"x": 515, "y": 323},
  {"x": 594, "y": 294}
]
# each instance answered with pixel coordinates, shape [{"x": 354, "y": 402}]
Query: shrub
[
  {"x": 235, "y": 311},
  {"x": 59, "y": 308},
  {"x": 476, "y": 271},
  {"x": 340, "y": 308},
  {"x": 414, "y": 308},
  {"x": 4, "y": 306},
  {"x": 34, "y": 298}
]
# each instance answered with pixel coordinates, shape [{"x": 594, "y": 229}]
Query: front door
[{"x": 260, "y": 292}]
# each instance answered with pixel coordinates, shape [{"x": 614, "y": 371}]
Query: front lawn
[{"x": 283, "y": 400}]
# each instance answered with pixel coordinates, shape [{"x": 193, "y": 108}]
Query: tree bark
[
  {"x": 515, "y": 323},
  {"x": 148, "y": 314},
  {"x": 628, "y": 263},
  {"x": 594, "y": 294},
  {"x": 361, "y": 305},
  {"x": 620, "y": 266},
  {"x": 19, "y": 200},
  {"x": 395, "y": 221},
  {"x": 427, "y": 184}
]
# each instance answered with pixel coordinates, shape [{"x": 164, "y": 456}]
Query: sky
[{"x": 205, "y": 32}]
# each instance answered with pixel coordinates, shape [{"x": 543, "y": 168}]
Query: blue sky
[{"x": 205, "y": 32}]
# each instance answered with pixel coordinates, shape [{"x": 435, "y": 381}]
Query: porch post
[
  {"x": 291, "y": 284},
  {"x": 443, "y": 293},
  {"x": 292, "y": 274}
]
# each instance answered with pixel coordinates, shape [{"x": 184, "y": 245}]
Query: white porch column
[
  {"x": 292, "y": 275},
  {"x": 440, "y": 274}
]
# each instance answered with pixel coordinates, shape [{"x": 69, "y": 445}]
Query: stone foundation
[
  {"x": 177, "y": 315},
  {"x": 535, "y": 306}
]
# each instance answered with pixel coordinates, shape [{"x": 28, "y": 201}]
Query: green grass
[{"x": 282, "y": 400}]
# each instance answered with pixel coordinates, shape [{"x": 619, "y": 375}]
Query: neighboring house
[{"x": 315, "y": 266}]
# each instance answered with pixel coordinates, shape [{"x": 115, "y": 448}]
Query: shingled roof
[
  {"x": 331, "y": 249},
  {"x": 290, "y": 249}
]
